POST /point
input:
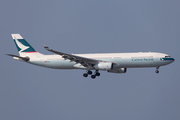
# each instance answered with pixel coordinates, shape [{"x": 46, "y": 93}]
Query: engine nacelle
[
  {"x": 104, "y": 66},
  {"x": 119, "y": 70}
]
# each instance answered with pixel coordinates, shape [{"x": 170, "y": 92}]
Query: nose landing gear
[{"x": 157, "y": 71}]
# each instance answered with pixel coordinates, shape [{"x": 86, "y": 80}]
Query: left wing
[{"x": 86, "y": 62}]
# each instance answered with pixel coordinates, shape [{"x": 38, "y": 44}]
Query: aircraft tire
[
  {"x": 98, "y": 74},
  {"x": 93, "y": 76},
  {"x": 157, "y": 71},
  {"x": 85, "y": 74},
  {"x": 89, "y": 72}
]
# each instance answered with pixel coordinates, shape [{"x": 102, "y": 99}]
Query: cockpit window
[{"x": 167, "y": 56}]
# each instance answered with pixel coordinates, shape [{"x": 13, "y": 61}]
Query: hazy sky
[{"x": 29, "y": 92}]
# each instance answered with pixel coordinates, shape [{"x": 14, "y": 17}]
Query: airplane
[{"x": 110, "y": 62}]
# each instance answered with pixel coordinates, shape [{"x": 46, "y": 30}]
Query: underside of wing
[{"x": 86, "y": 62}]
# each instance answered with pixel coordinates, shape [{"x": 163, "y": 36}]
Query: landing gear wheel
[
  {"x": 97, "y": 74},
  {"x": 93, "y": 76},
  {"x": 157, "y": 71},
  {"x": 85, "y": 74},
  {"x": 89, "y": 72}
]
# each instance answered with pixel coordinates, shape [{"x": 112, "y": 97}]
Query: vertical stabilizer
[{"x": 23, "y": 47}]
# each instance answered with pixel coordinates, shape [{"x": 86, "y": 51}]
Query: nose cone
[{"x": 171, "y": 59}]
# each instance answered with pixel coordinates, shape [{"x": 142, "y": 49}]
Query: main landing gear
[
  {"x": 157, "y": 71},
  {"x": 96, "y": 73}
]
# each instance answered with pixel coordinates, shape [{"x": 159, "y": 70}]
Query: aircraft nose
[{"x": 171, "y": 60}]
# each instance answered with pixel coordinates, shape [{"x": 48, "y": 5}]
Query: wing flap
[{"x": 86, "y": 62}]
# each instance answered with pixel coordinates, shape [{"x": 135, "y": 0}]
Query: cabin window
[{"x": 167, "y": 56}]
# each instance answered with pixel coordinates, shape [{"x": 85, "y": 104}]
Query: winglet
[{"x": 46, "y": 47}]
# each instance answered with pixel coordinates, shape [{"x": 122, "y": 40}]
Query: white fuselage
[{"x": 122, "y": 60}]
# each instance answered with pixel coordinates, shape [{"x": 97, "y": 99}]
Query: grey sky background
[{"x": 29, "y": 92}]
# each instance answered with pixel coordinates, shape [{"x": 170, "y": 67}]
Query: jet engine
[
  {"x": 104, "y": 66},
  {"x": 119, "y": 70}
]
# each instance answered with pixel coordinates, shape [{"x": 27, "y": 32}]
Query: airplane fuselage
[{"x": 122, "y": 60}]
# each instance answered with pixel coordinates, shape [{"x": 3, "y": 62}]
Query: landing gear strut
[
  {"x": 96, "y": 73},
  {"x": 157, "y": 71}
]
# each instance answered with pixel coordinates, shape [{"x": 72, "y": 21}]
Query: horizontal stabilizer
[{"x": 20, "y": 58}]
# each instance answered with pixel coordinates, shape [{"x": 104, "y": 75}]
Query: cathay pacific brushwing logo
[{"x": 21, "y": 46}]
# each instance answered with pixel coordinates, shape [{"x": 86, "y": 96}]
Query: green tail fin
[{"x": 22, "y": 45}]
